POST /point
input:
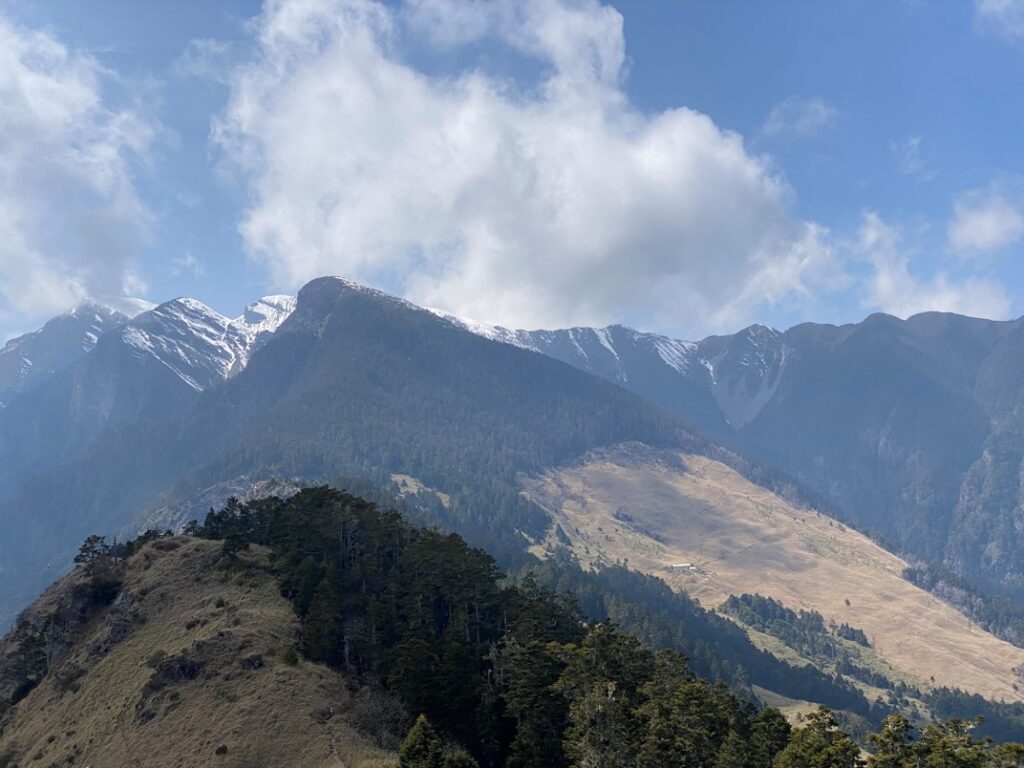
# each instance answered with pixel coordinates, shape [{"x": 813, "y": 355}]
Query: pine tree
[
  {"x": 421, "y": 748},
  {"x": 769, "y": 735},
  {"x": 602, "y": 682},
  {"x": 820, "y": 744},
  {"x": 951, "y": 744},
  {"x": 892, "y": 744},
  {"x": 734, "y": 752}
]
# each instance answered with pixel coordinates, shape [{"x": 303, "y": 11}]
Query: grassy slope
[
  {"x": 742, "y": 538},
  {"x": 180, "y": 602}
]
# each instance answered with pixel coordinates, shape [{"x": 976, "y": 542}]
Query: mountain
[
  {"x": 912, "y": 429},
  {"x": 359, "y": 384},
  {"x": 353, "y": 383},
  {"x": 27, "y": 359},
  {"x": 141, "y": 370}
]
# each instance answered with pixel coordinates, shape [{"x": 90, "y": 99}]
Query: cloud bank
[
  {"x": 70, "y": 219},
  {"x": 539, "y": 199}
]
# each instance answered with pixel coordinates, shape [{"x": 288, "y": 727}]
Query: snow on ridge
[
  {"x": 675, "y": 353},
  {"x": 605, "y": 338},
  {"x": 497, "y": 333},
  {"x": 200, "y": 345}
]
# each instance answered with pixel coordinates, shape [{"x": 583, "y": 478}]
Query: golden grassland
[
  {"x": 246, "y": 706},
  {"x": 708, "y": 531}
]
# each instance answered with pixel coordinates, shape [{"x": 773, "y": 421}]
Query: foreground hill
[
  {"x": 309, "y": 631},
  {"x": 192, "y": 665}
]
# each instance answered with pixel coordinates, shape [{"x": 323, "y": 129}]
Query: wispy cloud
[
  {"x": 1003, "y": 18},
  {"x": 911, "y": 159},
  {"x": 188, "y": 263},
  {"x": 800, "y": 116},
  {"x": 893, "y": 287}
]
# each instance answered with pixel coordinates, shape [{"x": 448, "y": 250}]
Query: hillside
[
  {"x": 912, "y": 429},
  {"x": 353, "y": 383},
  {"x": 189, "y": 667},
  {"x": 706, "y": 530}
]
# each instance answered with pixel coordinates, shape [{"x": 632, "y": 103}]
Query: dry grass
[
  {"x": 245, "y": 701},
  {"x": 646, "y": 508}
]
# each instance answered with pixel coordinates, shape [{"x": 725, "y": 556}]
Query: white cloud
[
  {"x": 892, "y": 287},
  {"x": 799, "y": 116},
  {"x": 205, "y": 58},
  {"x": 70, "y": 220},
  {"x": 986, "y": 220},
  {"x": 188, "y": 263},
  {"x": 1004, "y": 18},
  {"x": 547, "y": 202},
  {"x": 911, "y": 159}
]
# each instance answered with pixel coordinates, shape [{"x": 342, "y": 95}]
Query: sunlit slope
[
  {"x": 225, "y": 693},
  {"x": 707, "y": 530}
]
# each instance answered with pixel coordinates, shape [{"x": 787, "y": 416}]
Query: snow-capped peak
[
  {"x": 61, "y": 341},
  {"x": 265, "y": 315},
  {"x": 202, "y": 346}
]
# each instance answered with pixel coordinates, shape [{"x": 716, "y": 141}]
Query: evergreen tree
[
  {"x": 734, "y": 752},
  {"x": 602, "y": 682},
  {"x": 421, "y": 748},
  {"x": 892, "y": 744},
  {"x": 769, "y": 735},
  {"x": 820, "y": 744},
  {"x": 951, "y": 744},
  {"x": 458, "y": 758}
]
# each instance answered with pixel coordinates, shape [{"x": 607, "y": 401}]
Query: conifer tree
[
  {"x": 820, "y": 744},
  {"x": 421, "y": 748},
  {"x": 892, "y": 745},
  {"x": 734, "y": 752}
]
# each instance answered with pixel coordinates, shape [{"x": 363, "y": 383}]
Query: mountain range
[
  {"x": 911, "y": 430},
  {"x": 904, "y": 430}
]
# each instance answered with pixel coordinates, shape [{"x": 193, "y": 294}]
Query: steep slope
[
  {"x": 188, "y": 667},
  {"x": 353, "y": 383},
  {"x": 142, "y": 371},
  {"x": 28, "y": 359},
  {"x": 710, "y": 532},
  {"x": 914, "y": 429}
]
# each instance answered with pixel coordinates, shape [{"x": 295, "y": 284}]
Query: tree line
[{"x": 502, "y": 674}]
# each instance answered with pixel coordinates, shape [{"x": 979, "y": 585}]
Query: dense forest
[
  {"x": 489, "y": 671},
  {"x": 434, "y": 622}
]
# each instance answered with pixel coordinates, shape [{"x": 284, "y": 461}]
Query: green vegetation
[
  {"x": 807, "y": 633},
  {"x": 428, "y": 618}
]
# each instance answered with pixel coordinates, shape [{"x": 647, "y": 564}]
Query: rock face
[{"x": 191, "y": 665}]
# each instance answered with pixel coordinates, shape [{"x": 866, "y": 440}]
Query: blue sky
[{"x": 689, "y": 167}]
